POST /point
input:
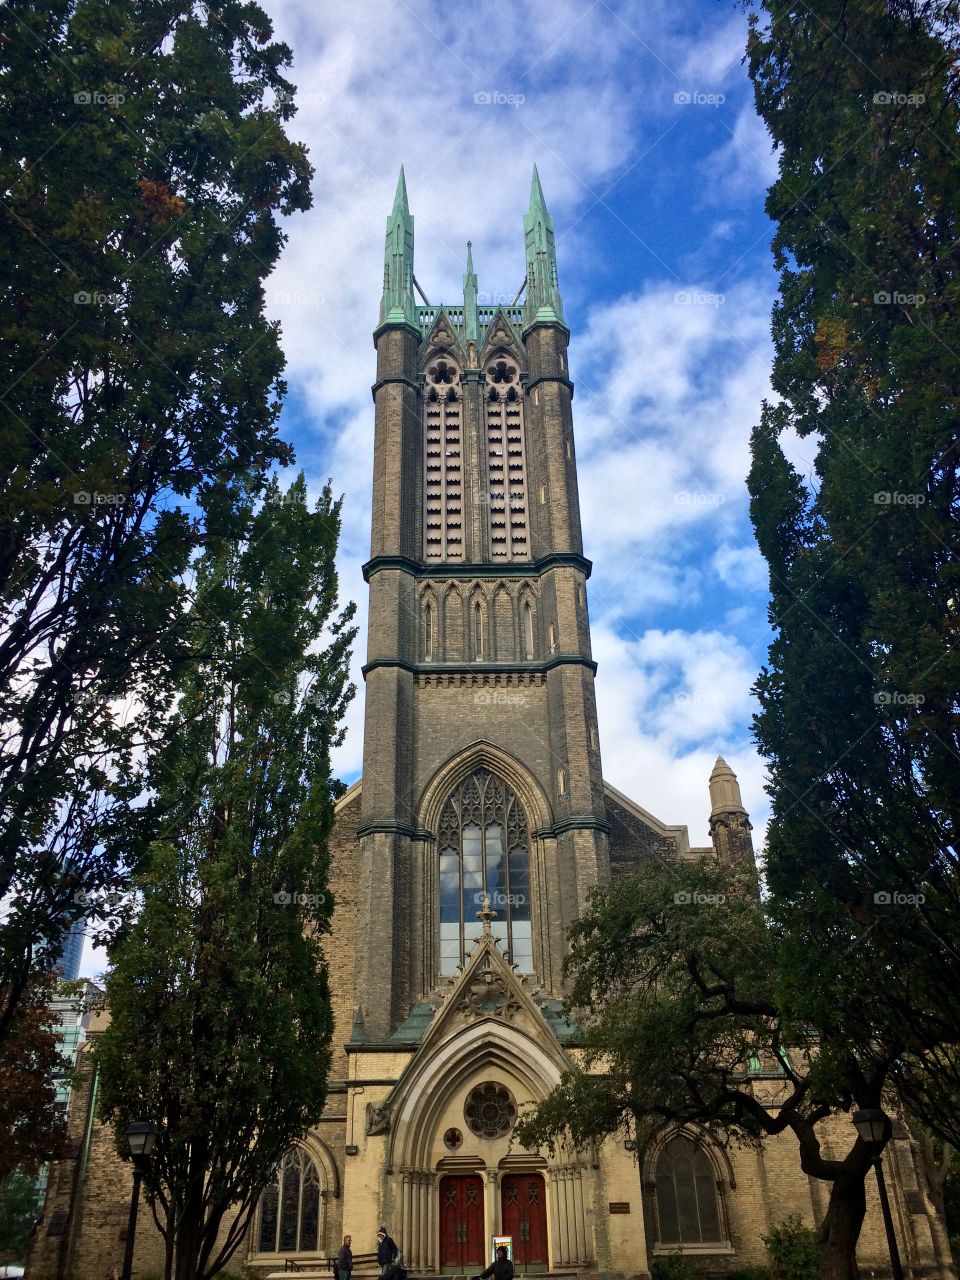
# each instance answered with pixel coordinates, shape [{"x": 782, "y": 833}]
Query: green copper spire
[
  {"x": 542, "y": 302},
  {"x": 471, "y": 318},
  {"x": 397, "y": 306}
]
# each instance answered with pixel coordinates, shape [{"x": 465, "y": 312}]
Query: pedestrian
[
  {"x": 345, "y": 1259},
  {"x": 387, "y": 1251},
  {"x": 501, "y": 1268}
]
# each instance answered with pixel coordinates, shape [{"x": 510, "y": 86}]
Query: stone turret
[
  {"x": 543, "y": 301},
  {"x": 397, "y": 305},
  {"x": 729, "y": 822}
]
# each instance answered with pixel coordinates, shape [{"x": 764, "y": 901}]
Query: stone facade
[{"x": 480, "y": 743}]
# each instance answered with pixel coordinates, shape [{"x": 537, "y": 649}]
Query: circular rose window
[{"x": 490, "y": 1110}]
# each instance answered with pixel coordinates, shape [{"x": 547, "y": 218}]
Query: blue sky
[{"x": 654, "y": 164}]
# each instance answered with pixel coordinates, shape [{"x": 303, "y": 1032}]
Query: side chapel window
[
  {"x": 688, "y": 1206},
  {"x": 290, "y": 1207}
]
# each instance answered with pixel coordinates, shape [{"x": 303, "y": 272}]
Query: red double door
[{"x": 523, "y": 1215}]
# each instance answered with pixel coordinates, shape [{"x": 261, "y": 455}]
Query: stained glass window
[
  {"x": 290, "y": 1207},
  {"x": 484, "y": 851},
  {"x": 688, "y": 1210}
]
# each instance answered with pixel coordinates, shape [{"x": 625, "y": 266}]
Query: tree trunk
[{"x": 840, "y": 1229}]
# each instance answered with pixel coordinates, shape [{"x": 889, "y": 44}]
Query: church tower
[{"x": 481, "y": 767}]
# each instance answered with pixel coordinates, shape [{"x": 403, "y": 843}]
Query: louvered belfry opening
[
  {"x": 443, "y": 462},
  {"x": 506, "y": 462}
]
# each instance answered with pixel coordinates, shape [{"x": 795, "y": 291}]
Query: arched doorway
[
  {"x": 523, "y": 1215},
  {"x": 461, "y": 1223}
]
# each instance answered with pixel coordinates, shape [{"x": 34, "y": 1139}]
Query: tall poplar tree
[
  {"x": 144, "y": 166},
  {"x": 218, "y": 998},
  {"x": 860, "y": 717}
]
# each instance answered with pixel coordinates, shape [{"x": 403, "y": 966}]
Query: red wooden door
[
  {"x": 523, "y": 1205},
  {"x": 461, "y": 1223}
]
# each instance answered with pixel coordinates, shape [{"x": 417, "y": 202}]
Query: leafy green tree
[
  {"x": 144, "y": 165},
  {"x": 19, "y": 1212},
  {"x": 859, "y": 713},
  {"x": 218, "y": 998},
  {"x": 677, "y": 984}
]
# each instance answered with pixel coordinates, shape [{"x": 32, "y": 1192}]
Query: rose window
[{"x": 490, "y": 1110}]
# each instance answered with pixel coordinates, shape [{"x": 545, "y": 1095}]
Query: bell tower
[{"x": 481, "y": 768}]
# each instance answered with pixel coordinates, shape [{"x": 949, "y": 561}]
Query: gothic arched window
[
  {"x": 290, "y": 1207},
  {"x": 688, "y": 1206},
  {"x": 484, "y": 851}
]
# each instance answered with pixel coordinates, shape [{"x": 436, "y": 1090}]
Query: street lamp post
[
  {"x": 875, "y": 1128},
  {"x": 141, "y": 1136}
]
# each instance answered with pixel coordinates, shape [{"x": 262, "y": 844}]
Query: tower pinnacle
[
  {"x": 471, "y": 319},
  {"x": 397, "y": 305},
  {"x": 542, "y": 302}
]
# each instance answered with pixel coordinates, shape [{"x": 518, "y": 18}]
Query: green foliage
[
  {"x": 793, "y": 1249},
  {"x": 672, "y": 1266},
  {"x": 19, "y": 1211},
  {"x": 751, "y": 1273},
  {"x": 144, "y": 166},
  {"x": 220, "y": 1010},
  {"x": 859, "y": 717}
]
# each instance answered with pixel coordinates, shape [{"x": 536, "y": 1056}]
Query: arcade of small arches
[{"x": 481, "y": 622}]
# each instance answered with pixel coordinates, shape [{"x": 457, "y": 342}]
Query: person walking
[
  {"x": 387, "y": 1251},
  {"x": 345, "y": 1259},
  {"x": 501, "y": 1268}
]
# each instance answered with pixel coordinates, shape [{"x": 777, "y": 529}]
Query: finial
[
  {"x": 485, "y": 915},
  {"x": 724, "y": 789},
  {"x": 400, "y": 198}
]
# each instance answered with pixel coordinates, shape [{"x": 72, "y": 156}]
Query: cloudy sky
[{"x": 654, "y": 164}]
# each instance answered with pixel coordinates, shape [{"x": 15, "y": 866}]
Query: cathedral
[{"x": 461, "y": 858}]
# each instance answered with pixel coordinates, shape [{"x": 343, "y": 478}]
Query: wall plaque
[{"x": 619, "y": 1206}]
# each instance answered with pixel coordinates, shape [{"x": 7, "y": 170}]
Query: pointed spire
[
  {"x": 724, "y": 790},
  {"x": 542, "y": 304},
  {"x": 471, "y": 317},
  {"x": 397, "y": 305}
]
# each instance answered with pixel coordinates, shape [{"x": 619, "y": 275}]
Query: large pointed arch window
[
  {"x": 688, "y": 1206},
  {"x": 290, "y": 1207},
  {"x": 484, "y": 851}
]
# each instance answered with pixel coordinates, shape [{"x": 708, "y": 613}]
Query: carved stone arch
[
  {"x": 452, "y": 643},
  {"x": 500, "y": 335},
  {"x": 321, "y": 1154},
  {"x": 417, "y": 1103},
  {"x": 504, "y": 623},
  {"x": 441, "y": 339},
  {"x": 483, "y": 754}
]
